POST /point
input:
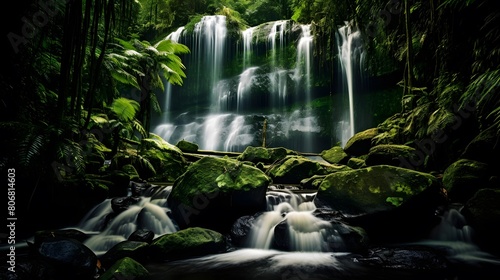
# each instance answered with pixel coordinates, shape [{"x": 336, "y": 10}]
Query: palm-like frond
[
  {"x": 138, "y": 126},
  {"x": 483, "y": 92},
  {"x": 125, "y": 108}
]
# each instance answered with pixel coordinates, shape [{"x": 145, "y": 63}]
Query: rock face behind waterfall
[
  {"x": 390, "y": 203},
  {"x": 214, "y": 192}
]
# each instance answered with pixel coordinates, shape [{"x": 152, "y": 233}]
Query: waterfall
[
  {"x": 303, "y": 74},
  {"x": 247, "y": 36},
  {"x": 351, "y": 56},
  {"x": 174, "y": 36},
  {"x": 149, "y": 212},
  {"x": 277, "y": 75},
  {"x": 208, "y": 50},
  {"x": 214, "y": 99},
  {"x": 305, "y": 231},
  {"x": 246, "y": 81}
]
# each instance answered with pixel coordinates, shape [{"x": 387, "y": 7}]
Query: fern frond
[
  {"x": 138, "y": 126},
  {"x": 125, "y": 108}
]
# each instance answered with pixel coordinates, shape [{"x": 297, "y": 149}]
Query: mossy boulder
[
  {"x": 390, "y": 154},
  {"x": 361, "y": 142},
  {"x": 187, "y": 243},
  {"x": 294, "y": 169},
  {"x": 463, "y": 178},
  {"x": 356, "y": 163},
  {"x": 372, "y": 189},
  {"x": 332, "y": 168},
  {"x": 132, "y": 249},
  {"x": 166, "y": 159},
  {"x": 482, "y": 211},
  {"x": 186, "y": 146},
  {"x": 126, "y": 268},
  {"x": 264, "y": 155},
  {"x": 389, "y": 131},
  {"x": 313, "y": 182},
  {"x": 335, "y": 155},
  {"x": 213, "y": 192},
  {"x": 392, "y": 204}
]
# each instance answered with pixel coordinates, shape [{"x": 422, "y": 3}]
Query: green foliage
[
  {"x": 124, "y": 108},
  {"x": 482, "y": 92}
]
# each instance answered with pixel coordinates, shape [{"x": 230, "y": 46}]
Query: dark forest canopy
[{"x": 66, "y": 64}]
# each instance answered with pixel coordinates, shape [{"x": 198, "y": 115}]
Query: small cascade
[
  {"x": 247, "y": 36},
  {"x": 244, "y": 86},
  {"x": 457, "y": 236},
  {"x": 150, "y": 212},
  {"x": 303, "y": 75},
  {"x": 208, "y": 53},
  {"x": 277, "y": 75},
  {"x": 305, "y": 231},
  {"x": 276, "y": 41},
  {"x": 351, "y": 56},
  {"x": 453, "y": 227},
  {"x": 174, "y": 36}
]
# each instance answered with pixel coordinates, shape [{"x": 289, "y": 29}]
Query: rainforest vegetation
[{"x": 80, "y": 80}]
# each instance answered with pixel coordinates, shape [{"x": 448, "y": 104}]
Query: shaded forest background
[{"x": 67, "y": 64}]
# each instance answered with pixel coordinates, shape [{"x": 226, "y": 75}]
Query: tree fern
[{"x": 125, "y": 109}]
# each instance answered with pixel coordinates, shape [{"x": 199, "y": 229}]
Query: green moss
[
  {"x": 126, "y": 268},
  {"x": 188, "y": 242},
  {"x": 211, "y": 175},
  {"x": 396, "y": 201}
]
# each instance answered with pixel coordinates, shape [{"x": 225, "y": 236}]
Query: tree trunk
[{"x": 409, "y": 48}]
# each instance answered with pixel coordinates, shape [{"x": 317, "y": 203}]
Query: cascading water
[
  {"x": 351, "y": 58},
  {"x": 174, "y": 36},
  {"x": 305, "y": 231},
  {"x": 247, "y": 36},
  {"x": 209, "y": 44},
  {"x": 303, "y": 74},
  {"x": 150, "y": 212},
  {"x": 454, "y": 233},
  {"x": 212, "y": 103},
  {"x": 246, "y": 81}
]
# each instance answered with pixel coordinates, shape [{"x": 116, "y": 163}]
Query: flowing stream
[{"x": 306, "y": 259}]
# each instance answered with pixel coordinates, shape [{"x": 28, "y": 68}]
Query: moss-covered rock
[
  {"x": 332, "y": 168},
  {"x": 190, "y": 242},
  {"x": 264, "y": 155},
  {"x": 132, "y": 249},
  {"x": 313, "y": 182},
  {"x": 390, "y": 154},
  {"x": 361, "y": 142},
  {"x": 390, "y": 131},
  {"x": 186, "y": 146},
  {"x": 166, "y": 159},
  {"x": 463, "y": 178},
  {"x": 126, "y": 268},
  {"x": 356, "y": 163},
  {"x": 372, "y": 189},
  {"x": 391, "y": 204},
  {"x": 335, "y": 155},
  {"x": 213, "y": 192},
  {"x": 294, "y": 169}
]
